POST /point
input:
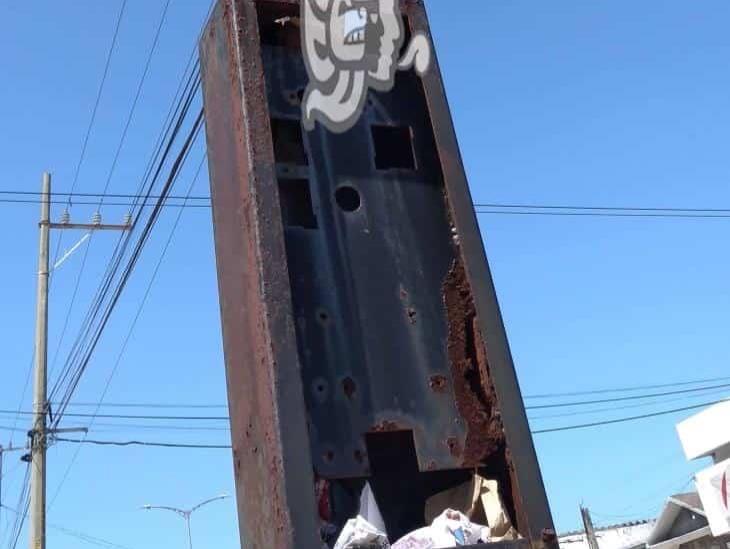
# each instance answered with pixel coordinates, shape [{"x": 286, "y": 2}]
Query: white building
[{"x": 619, "y": 536}]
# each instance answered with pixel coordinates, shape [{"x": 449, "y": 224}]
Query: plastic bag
[
  {"x": 450, "y": 529},
  {"x": 360, "y": 534}
]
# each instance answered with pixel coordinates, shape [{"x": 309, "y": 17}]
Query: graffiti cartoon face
[
  {"x": 350, "y": 46},
  {"x": 364, "y": 34}
]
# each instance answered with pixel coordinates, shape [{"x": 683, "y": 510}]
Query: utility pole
[
  {"x": 588, "y": 524},
  {"x": 39, "y": 433}
]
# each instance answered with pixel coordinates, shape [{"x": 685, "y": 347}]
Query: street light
[{"x": 185, "y": 513}]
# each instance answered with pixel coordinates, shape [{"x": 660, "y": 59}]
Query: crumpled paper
[
  {"x": 360, "y": 534},
  {"x": 480, "y": 501},
  {"x": 450, "y": 529}
]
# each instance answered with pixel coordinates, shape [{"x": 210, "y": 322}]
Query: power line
[
  {"x": 147, "y": 405},
  {"x": 605, "y": 214},
  {"x": 93, "y": 540},
  {"x": 132, "y": 110},
  {"x": 130, "y": 331},
  {"x": 627, "y": 389},
  {"x": 625, "y": 398},
  {"x": 624, "y": 419},
  {"x": 98, "y": 95},
  {"x": 172, "y": 177},
  {"x": 99, "y": 195},
  {"x": 96, "y": 203},
  {"x": 146, "y": 443},
  {"x": 22, "y": 396},
  {"x": 132, "y": 416},
  {"x": 156, "y": 427},
  {"x": 106, "y": 186},
  {"x": 626, "y": 407},
  {"x": 89, "y": 336}
]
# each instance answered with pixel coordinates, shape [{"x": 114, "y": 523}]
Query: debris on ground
[
  {"x": 479, "y": 500},
  {"x": 360, "y": 534},
  {"x": 450, "y": 529}
]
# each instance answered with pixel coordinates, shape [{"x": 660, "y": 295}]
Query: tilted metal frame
[{"x": 271, "y": 448}]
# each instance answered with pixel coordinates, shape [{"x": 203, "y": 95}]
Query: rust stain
[
  {"x": 475, "y": 395},
  {"x": 454, "y": 448},
  {"x": 411, "y": 312},
  {"x": 385, "y": 426},
  {"x": 438, "y": 383}
]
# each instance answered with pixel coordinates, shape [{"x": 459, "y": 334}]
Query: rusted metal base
[{"x": 362, "y": 334}]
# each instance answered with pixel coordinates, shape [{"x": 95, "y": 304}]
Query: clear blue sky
[{"x": 609, "y": 102}]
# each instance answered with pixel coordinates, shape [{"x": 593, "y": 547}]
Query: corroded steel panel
[{"x": 362, "y": 332}]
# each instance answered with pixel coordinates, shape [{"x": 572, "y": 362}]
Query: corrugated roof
[{"x": 611, "y": 527}]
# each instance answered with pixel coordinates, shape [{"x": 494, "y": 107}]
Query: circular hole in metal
[
  {"x": 329, "y": 456},
  {"x": 348, "y": 198}
]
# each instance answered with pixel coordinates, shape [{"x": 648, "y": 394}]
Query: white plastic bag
[
  {"x": 359, "y": 533},
  {"x": 450, "y": 529}
]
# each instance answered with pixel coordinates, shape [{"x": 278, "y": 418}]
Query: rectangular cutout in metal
[
  {"x": 288, "y": 142},
  {"x": 296, "y": 204},
  {"x": 393, "y": 146}
]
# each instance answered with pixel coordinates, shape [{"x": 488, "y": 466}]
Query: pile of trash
[{"x": 469, "y": 514}]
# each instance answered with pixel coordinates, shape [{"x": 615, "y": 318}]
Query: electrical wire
[
  {"x": 146, "y": 443},
  {"x": 625, "y": 407},
  {"x": 133, "y": 416},
  {"x": 120, "y": 145},
  {"x": 92, "y": 540},
  {"x": 89, "y": 203},
  {"x": 28, "y": 375},
  {"x": 91, "y": 330},
  {"x": 147, "y": 405},
  {"x": 23, "y": 503},
  {"x": 625, "y": 398},
  {"x": 99, "y": 195},
  {"x": 174, "y": 172},
  {"x": 115, "y": 36},
  {"x": 129, "y": 332},
  {"x": 624, "y": 419},
  {"x": 137, "y": 94},
  {"x": 627, "y": 389}
]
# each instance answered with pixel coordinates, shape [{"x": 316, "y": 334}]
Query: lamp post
[{"x": 185, "y": 513}]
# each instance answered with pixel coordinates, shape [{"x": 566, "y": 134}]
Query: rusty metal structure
[{"x": 362, "y": 333}]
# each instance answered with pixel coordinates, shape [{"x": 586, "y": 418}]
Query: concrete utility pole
[
  {"x": 186, "y": 513},
  {"x": 588, "y": 524},
  {"x": 38, "y": 433}
]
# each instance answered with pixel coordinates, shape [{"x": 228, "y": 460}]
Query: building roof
[
  {"x": 687, "y": 512},
  {"x": 610, "y": 527},
  {"x": 691, "y": 499}
]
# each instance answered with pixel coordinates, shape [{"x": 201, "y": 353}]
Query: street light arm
[
  {"x": 207, "y": 501},
  {"x": 180, "y": 512}
]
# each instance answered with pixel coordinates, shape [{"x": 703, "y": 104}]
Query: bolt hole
[
  {"x": 348, "y": 198},
  {"x": 329, "y": 456},
  {"x": 412, "y": 315},
  {"x": 349, "y": 387}
]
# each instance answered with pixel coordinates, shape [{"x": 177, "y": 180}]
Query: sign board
[
  {"x": 699, "y": 434},
  {"x": 712, "y": 485}
]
